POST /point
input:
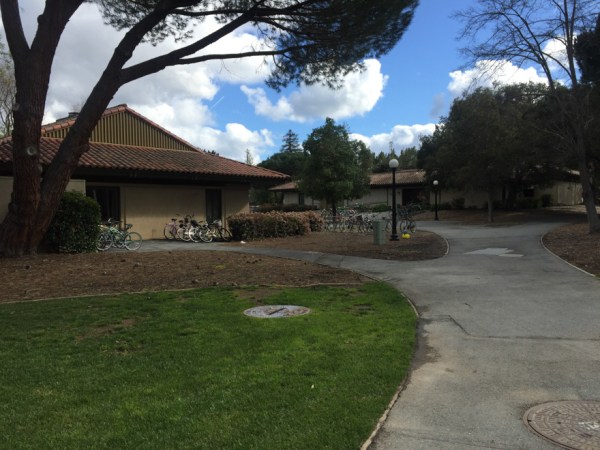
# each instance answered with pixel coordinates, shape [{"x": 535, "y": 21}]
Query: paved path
[{"x": 505, "y": 326}]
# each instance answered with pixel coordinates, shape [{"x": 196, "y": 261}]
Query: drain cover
[
  {"x": 570, "y": 424},
  {"x": 273, "y": 311}
]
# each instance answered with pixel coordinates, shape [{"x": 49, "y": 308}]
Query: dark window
[
  {"x": 300, "y": 198},
  {"x": 108, "y": 198}
]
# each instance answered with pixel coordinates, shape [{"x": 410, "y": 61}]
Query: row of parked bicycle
[
  {"x": 113, "y": 236},
  {"x": 189, "y": 229},
  {"x": 349, "y": 220}
]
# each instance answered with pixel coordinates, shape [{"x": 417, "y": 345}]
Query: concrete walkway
[{"x": 505, "y": 325}]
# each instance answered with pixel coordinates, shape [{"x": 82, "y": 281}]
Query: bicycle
[
  {"x": 217, "y": 230},
  {"x": 170, "y": 230},
  {"x": 112, "y": 236}
]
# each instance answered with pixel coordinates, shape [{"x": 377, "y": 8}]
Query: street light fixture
[
  {"x": 394, "y": 166},
  {"x": 435, "y": 191}
]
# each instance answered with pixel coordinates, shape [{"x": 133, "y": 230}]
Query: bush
[
  {"x": 381, "y": 207},
  {"x": 546, "y": 200},
  {"x": 75, "y": 226},
  {"x": 527, "y": 203},
  {"x": 458, "y": 203},
  {"x": 273, "y": 224}
]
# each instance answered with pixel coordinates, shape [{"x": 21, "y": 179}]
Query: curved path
[{"x": 505, "y": 325}]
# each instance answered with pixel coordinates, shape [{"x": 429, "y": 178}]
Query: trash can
[{"x": 379, "y": 232}]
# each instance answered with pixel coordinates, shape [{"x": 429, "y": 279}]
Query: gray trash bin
[{"x": 379, "y": 232}]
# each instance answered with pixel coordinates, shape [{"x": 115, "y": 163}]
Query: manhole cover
[
  {"x": 272, "y": 311},
  {"x": 570, "y": 424}
]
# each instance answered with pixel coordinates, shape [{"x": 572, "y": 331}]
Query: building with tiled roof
[
  {"x": 141, "y": 173},
  {"x": 410, "y": 188}
]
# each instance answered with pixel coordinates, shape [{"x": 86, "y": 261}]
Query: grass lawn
[{"x": 189, "y": 370}]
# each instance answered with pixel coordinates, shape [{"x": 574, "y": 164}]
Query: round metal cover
[
  {"x": 273, "y": 311},
  {"x": 569, "y": 424}
]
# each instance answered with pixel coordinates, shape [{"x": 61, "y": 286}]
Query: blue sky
[{"x": 226, "y": 107}]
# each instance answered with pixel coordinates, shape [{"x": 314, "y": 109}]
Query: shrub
[
  {"x": 381, "y": 207},
  {"x": 273, "y": 224},
  {"x": 527, "y": 203},
  {"x": 546, "y": 200},
  {"x": 75, "y": 226},
  {"x": 458, "y": 203}
]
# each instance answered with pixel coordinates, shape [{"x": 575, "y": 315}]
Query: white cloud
[
  {"x": 359, "y": 93},
  {"x": 400, "y": 137},
  {"x": 486, "y": 73},
  {"x": 234, "y": 140}
]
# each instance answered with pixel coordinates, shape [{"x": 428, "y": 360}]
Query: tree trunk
[
  {"x": 490, "y": 203},
  {"x": 589, "y": 199}
]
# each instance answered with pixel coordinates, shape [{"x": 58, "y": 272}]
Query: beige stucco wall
[
  {"x": 563, "y": 193},
  {"x": 6, "y": 191},
  {"x": 149, "y": 207}
]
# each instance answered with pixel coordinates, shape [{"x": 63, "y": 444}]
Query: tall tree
[
  {"x": 337, "y": 168},
  {"x": 290, "y": 144},
  {"x": 487, "y": 144},
  {"x": 290, "y": 158},
  {"x": 310, "y": 41},
  {"x": 587, "y": 53},
  {"x": 529, "y": 31}
]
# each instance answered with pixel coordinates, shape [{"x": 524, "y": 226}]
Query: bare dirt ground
[{"x": 51, "y": 276}]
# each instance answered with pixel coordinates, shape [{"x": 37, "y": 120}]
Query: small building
[
  {"x": 410, "y": 188},
  {"x": 142, "y": 174}
]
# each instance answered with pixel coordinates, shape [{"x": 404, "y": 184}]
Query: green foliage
[
  {"x": 183, "y": 370},
  {"x": 273, "y": 224},
  {"x": 381, "y": 207},
  {"x": 587, "y": 53},
  {"x": 290, "y": 144},
  {"x": 492, "y": 139},
  {"x": 75, "y": 226},
  {"x": 527, "y": 203},
  {"x": 458, "y": 203},
  {"x": 337, "y": 168},
  {"x": 321, "y": 40},
  {"x": 546, "y": 200},
  {"x": 290, "y": 163}
]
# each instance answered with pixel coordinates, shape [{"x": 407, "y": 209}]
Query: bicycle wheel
[
  {"x": 118, "y": 239},
  {"x": 205, "y": 234},
  {"x": 133, "y": 240},
  {"x": 104, "y": 242},
  {"x": 411, "y": 225},
  {"x": 225, "y": 234},
  {"x": 182, "y": 234},
  {"x": 168, "y": 232},
  {"x": 194, "y": 234}
]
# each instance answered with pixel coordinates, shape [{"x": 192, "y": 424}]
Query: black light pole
[
  {"x": 394, "y": 166},
  {"x": 435, "y": 190}
]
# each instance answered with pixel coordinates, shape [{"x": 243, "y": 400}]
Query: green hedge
[
  {"x": 75, "y": 226},
  {"x": 273, "y": 224}
]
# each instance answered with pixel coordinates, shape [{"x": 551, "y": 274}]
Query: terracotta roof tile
[{"x": 127, "y": 157}]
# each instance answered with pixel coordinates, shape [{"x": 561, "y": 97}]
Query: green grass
[{"x": 189, "y": 370}]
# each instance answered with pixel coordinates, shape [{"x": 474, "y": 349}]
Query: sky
[{"x": 226, "y": 106}]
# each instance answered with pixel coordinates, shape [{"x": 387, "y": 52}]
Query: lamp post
[
  {"x": 435, "y": 190},
  {"x": 394, "y": 166}
]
